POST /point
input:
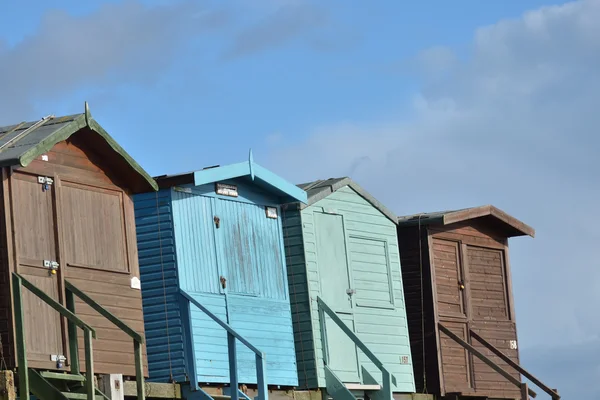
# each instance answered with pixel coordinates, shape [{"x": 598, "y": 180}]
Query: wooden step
[
  {"x": 360, "y": 386},
  {"x": 63, "y": 377},
  {"x": 80, "y": 396}
]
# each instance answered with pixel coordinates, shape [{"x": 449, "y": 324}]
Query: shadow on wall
[{"x": 550, "y": 363}]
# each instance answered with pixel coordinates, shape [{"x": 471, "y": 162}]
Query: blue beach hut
[{"x": 215, "y": 235}]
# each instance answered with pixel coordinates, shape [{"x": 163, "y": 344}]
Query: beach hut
[
  {"x": 215, "y": 236},
  {"x": 67, "y": 231},
  {"x": 457, "y": 284},
  {"x": 344, "y": 269}
]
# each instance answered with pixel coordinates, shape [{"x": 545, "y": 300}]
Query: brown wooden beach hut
[
  {"x": 456, "y": 275},
  {"x": 67, "y": 219}
]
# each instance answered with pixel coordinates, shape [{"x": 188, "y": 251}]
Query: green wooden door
[{"x": 335, "y": 283}]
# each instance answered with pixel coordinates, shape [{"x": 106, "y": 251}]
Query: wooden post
[
  {"x": 20, "y": 337},
  {"x": 261, "y": 377},
  {"x": 73, "y": 346},
  {"x": 386, "y": 388},
  {"x": 524, "y": 391},
  {"x": 233, "y": 377},
  {"x": 7, "y": 386},
  {"x": 89, "y": 365},
  {"x": 112, "y": 386},
  {"x": 139, "y": 370}
]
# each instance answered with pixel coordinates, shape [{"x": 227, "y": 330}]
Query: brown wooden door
[
  {"x": 36, "y": 246},
  {"x": 453, "y": 314}
]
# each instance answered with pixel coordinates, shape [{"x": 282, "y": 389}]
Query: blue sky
[{"x": 428, "y": 105}]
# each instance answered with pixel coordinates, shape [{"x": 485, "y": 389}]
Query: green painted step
[
  {"x": 80, "y": 396},
  {"x": 64, "y": 377}
]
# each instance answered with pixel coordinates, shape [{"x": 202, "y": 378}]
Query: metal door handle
[{"x": 350, "y": 292}]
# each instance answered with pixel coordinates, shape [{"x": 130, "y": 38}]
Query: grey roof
[
  {"x": 513, "y": 226},
  {"x": 320, "y": 189},
  {"x": 22, "y": 143}
]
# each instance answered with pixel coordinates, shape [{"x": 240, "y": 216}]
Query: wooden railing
[
  {"x": 387, "y": 377},
  {"x": 232, "y": 335},
  {"x": 525, "y": 391},
  {"x": 74, "y": 322},
  {"x": 138, "y": 340}
]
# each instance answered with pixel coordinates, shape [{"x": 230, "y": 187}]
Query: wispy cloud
[
  {"x": 119, "y": 42},
  {"x": 286, "y": 23}
]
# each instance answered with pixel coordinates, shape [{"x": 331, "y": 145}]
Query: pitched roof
[
  {"x": 513, "y": 226},
  {"x": 20, "y": 144},
  {"x": 320, "y": 189},
  {"x": 250, "y": 170}
]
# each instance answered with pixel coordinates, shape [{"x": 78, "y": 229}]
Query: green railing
[
  {"x": 387, "y": 377},
  {"x": 74, "y": 322},
  {"x": 138, "y": 340}
]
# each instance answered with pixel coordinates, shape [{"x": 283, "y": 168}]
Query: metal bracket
[
  {"x": 57, "y": 357},
  {"x": 51, "y": 264},
  {"x": 350, "y": 292},
  {"x": 45, "y": 180}
]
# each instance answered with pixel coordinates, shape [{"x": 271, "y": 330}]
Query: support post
[
  {"x": 524, "y": 391},
  {"x": 89, "y": 365},
  {"x": 324, "y": 336},
  {"x": 7, "y": 386},
  {"x": 261, "y": 377},
  {"x": 387, "y": 385},
  {"x": 233, "y": 377},
  {"x": 20, "y": 337},
  {"x": 72, "y": 329},
  {"x": 139, "y": 370}
]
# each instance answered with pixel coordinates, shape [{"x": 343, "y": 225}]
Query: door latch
[
  {"x": 217, "y": 221},
  {"x": 45, "y": 182},
  {"x": 350, "y": 292},
  {"x": 461, "y": 285},
  {"x": 223, "y": 282},
  {"x": 52, "y": 266},
  {"x": 59, "y": 359}
]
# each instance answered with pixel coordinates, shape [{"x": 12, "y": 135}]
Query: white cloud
[
  {"x": 516, "y": 125},
  {"x": 125, "y": 42}
]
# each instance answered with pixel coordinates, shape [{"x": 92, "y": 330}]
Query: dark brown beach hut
[{"x": 457, "y": 283}]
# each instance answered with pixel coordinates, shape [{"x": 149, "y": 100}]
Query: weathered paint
[
  {"x": 247, "y": 250},
  {"x": 315, "y": 238}
]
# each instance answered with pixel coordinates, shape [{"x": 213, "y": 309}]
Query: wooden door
[
  {"x": 453, "y": 314},
  {"x": 36, "y": 246},
  {"x": 335, "y": 279}
]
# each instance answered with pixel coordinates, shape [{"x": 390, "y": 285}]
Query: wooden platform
[{"x": 173, "y": 391}]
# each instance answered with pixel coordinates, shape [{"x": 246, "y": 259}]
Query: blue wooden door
[{"x": 335, "y": 280}]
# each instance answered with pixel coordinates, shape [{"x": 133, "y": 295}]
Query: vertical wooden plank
[
  {"x": 188, "y": 337},
  {"x": 323, "y": 336},
  {"x": 435, "y": 310},
  {"x": 508, "y": 277},
  {"x": 89, "y": 365},
  {"x": 524, "y": 392},
  {"x": 9, "y": 254},
  {"x": 7, "y": 386},
  {"x": 20, "y": 337},
  {"x": 73, "y": 345},
  {"x": 464, "y": 260},
  {"x": 58, "y": 233},
  {"x": 139, "y": 370},
  {"x": 233, "y": 377},
  {"x": 261, "y": 377}
]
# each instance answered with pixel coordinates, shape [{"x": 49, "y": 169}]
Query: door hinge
[{"x": 350, "y": 292}]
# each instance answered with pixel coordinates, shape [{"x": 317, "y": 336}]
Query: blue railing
[
  {"x": 387, "y": 377},
  {"x": 232, "y": 335}
]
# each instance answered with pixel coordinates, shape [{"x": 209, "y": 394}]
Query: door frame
[
  {"x": 8, "y": 175},
  {"x": 352, "y": 314}
]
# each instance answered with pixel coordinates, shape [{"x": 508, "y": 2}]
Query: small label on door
[
  {"x": 135, "y": 283},
  {"x": 403, "y": 359},
  {"x": 513, "y": 344}
]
